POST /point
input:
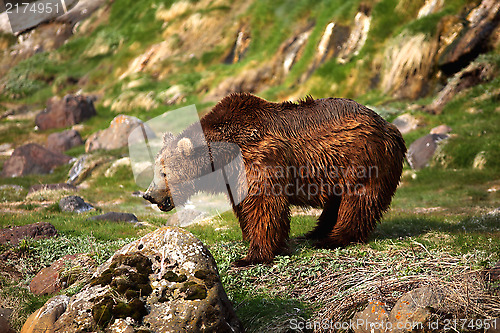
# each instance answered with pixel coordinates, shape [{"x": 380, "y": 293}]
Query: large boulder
[
  {"x": 116, "y": 135},
  {"x": 32, "y": 159},
  {"x": 36, "y": 231},
  {"x": 71, "y": 110},
  {"x": 167, "y": 281},
  {"x": 63, "y": 141}
]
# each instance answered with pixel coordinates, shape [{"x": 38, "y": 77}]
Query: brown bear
[{"x": 331, "y": 153}]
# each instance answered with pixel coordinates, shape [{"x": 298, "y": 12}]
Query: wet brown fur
[{"x": 320, "y": 134}]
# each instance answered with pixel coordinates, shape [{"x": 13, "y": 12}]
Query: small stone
[
  {"x": 32, "y": 159},
  {"x": 116, "y": 217},
  {"x": 480, "y": 161},
  {"x": 422, "y": 150},
  {"x": 406, "y": 123},
  {"x": 63, "y": 141},
  {"x": 51, "y": 280},
  {"x": 36, "y": 231},
  {"x": 68, "y": 111},
  {"x": 414, "y": 309},
  {"x": 75, "y": 204},
  {"x": 84, "y": 166},
  {"x": 441, "y": 129}
]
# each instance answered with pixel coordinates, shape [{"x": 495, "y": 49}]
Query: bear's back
[{"x": 244, "y": 117}]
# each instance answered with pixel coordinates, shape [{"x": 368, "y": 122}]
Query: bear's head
[{"x": 181, "y": 161}]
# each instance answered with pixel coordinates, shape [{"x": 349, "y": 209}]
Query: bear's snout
[{"x": 165, "y": 204}]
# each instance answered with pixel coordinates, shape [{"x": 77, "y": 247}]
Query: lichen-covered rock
[
  {"x": 167, "y": 281},
  {"x": 373, "y": 319},
  {"x": 413, "y": 311}
]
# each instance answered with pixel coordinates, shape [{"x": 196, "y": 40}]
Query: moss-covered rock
[{"x": 167, "y": 281}]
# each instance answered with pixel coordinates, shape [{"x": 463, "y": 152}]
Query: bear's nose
[{"x": 147, "y": 197}]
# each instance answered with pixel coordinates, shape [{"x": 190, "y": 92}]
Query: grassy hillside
[{"x": 439, "y": 211}]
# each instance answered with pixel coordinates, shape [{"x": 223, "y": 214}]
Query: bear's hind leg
[
  {"x": 266, "y": 224},
  {"x": 357, "y": 218},
  {"x": 327, "y": 219}
]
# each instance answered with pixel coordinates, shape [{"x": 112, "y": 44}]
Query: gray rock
[
  {"x": 74, "y": 204},
  {"x": 32, "y": 159},
  {"x": 64, "y": 140},
  {"x": 116, "y": 217},
  {"x": 422, "y": 150},
  {"x": 167, "y": 281}
]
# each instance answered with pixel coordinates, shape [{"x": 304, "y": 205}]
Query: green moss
[
  {"x": 192, "y": 290},
  {"x": 210, "y": 278},
  {"x": 102, "y": 312},
  {"x": 173, "y": 277}
]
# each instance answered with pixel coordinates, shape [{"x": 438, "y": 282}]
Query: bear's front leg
[{"x": 265, "y": 220}]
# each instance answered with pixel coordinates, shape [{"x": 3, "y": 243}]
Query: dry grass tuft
[
  {"x": 342, "y": 292},
  {"x": 409, "y": 61}
]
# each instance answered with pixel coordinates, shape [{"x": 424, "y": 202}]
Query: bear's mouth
[{"x": 166, "y": 205}]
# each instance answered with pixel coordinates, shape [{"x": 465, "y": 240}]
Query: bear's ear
[
  {"x": 167, "y": 137},
  {"x": 185, "y": 146}
]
